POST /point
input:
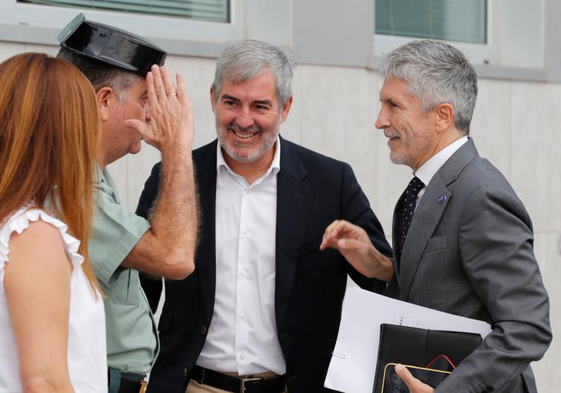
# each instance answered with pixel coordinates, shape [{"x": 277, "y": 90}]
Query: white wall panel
[
  {"x": 550, "y": 139},
  {"x": 547, "y": 370},
  {"x": 490, "y": 127},
  {"x": 9, "y": 49},
  {"x": 338, "y": 114},
  {"x": 291, "y": 128},
  {"x": 531, "y": 173}
]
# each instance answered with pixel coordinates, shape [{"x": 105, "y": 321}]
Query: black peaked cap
[{"x": 110, "y": 45}]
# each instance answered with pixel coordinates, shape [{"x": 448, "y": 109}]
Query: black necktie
[{"x": 409, "y": 202}]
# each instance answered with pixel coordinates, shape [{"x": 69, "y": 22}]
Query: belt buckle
[
  {"x": 143, "y": 386},
  {"x": 244, "y": 380}
]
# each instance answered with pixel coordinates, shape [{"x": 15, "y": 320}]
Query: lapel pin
[{"x": 441, "y": 199}]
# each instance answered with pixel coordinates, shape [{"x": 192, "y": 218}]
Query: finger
[
  {"x": 328, "y": 235},
  {"x": 152, "y": 97},
  {"x": 181, "y": 87},
  {"x": 137, "y": 125},
  {"x": 323, "y": 244},
  {"x": 405, "y": 375},
  {"x": 339, "y": 229},
  {"x": 412, "y": 383},
  {"x": 338, "y": 241},
  {"x": 158, "y": 82},
  {"x": 168, "y": 82},
  {"x": 330, "y": 227},
  {"x": 182, "y": 92},
  {"x": 328, "y": 243},
  {"x": 349, "y": 244}
]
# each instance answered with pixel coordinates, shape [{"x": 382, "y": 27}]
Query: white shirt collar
[
  {"x": 426, "y": 172},
  {"x": 275, "y": 164},
  {"x": 242, "y": 337}
]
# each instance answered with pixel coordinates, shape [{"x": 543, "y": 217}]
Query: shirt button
[
  {"x": 242, "y": 315},
  {"x": 245, "y": 230},
  {"x": 243, "y": 273},
  {"x": 242, "y": 356},
  {"x": 203, "y": 330}
]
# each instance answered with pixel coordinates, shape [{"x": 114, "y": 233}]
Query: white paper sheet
[{"x": 354, "y": 359}]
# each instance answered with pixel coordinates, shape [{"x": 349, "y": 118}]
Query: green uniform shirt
[{"x": 132, "y": 340}]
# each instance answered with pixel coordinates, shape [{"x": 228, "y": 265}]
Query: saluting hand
[{"x": 171, "y": 115}]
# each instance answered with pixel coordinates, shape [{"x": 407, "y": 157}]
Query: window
[
  {"x": 502, "y": 33},
  {"x": 450, "y": 20},
  {"x": 200, "y": 29},
  {"x": 464, "y": 23},
  {"x": 207, "y": 10}
]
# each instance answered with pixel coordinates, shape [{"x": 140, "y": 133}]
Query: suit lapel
[
  {"x": 206, "y": 260},
  {"x": 294, "y": 198},
  {"x": 428, "y": 215},
  {"x": 426, "y": 218}
]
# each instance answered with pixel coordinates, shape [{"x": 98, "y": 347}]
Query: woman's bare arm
[{"x": 37, "y": 285}]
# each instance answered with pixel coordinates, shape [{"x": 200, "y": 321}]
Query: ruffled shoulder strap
[{"x": 19, "y": 221}]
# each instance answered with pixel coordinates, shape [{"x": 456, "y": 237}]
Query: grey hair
[
  {"x": 102, "y": 74},
  {"x": 435, "y": 73},
  {"x": 244, "y": 60}
]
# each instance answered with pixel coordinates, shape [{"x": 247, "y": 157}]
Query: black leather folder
[{"x": 421, "y": 347}]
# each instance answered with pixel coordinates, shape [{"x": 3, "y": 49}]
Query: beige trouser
[{"x": 195, "y": 387}]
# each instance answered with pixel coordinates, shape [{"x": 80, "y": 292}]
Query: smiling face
[
  {"x": 248, "y": 119},
  {"x": 412, "y": 135}
]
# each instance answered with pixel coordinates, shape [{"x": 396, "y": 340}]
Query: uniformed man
[{"x": 138, "y": 100}]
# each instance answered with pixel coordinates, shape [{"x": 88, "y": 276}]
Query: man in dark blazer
[
  {"x": 206, "y": 344},
  {"x": 463, "y": 240}
]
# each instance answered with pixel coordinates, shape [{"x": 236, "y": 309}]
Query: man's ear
[
  {"x": 105, "y": 100},
  {"x": 286, "y": 109},
  {"x": 444, "y": 116},
  {"x": 212, "y": 99}
]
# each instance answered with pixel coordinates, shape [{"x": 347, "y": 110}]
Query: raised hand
[
  {"x": 171, "y": 115},
  {"x": 354, "y": 244}
]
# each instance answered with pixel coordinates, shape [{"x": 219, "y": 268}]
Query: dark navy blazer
[{"x": 313, "y": 190}]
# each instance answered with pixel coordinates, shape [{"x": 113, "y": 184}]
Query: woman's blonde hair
[{"x": 49, "y": 126}]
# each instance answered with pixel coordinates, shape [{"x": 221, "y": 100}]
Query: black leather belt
[
  {"x": 238, "y": 384},
  {"x": 127, "y": 386},
  {"x": 120, "y": 382}
]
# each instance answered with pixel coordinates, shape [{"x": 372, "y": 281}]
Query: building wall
[{"x": 517, "y": 126}]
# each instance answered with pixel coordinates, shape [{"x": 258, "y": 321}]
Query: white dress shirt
[
  {"x": 242, "y": 336},
  {"x": 426, "y": 172}
]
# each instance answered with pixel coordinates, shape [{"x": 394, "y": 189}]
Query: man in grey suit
[{"x": 462, "y": 239}]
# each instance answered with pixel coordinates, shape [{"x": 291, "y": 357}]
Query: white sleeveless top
[{"x": 87, "y": 353}]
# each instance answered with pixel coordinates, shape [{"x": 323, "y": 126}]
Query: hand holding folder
[
  {"x": 429, "y": 354},
  {"x": 392, "y": 383},
  {"x": 354, "y": 362}
]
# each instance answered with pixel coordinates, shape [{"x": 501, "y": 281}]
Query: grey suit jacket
[{"x": 469, "y": 252}]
